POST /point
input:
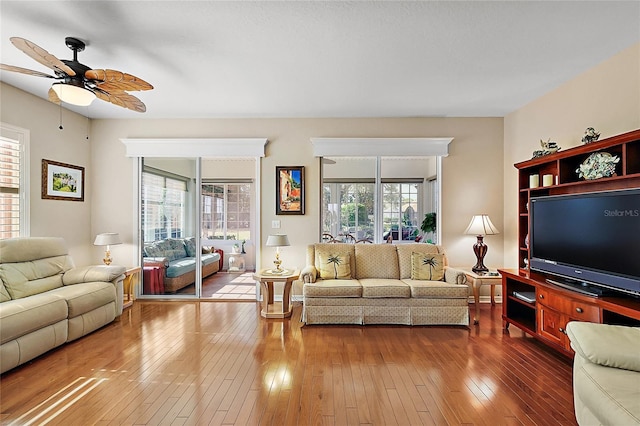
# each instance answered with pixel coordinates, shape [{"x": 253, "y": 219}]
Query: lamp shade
[
  {"x": 107, "y": 239},
  {"x": 277, "y": 240},
  {"x": 481, "y": 225},
  {"x": 73, "y": 95}
]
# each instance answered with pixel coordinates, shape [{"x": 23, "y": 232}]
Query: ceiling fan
[{"x": 77, "y": 83}]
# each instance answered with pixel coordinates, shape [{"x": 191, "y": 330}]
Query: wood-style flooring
[
  {"x": 198, "y": 363},
  {"x": 226, "y": 286}
]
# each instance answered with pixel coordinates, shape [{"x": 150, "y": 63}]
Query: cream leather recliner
[
  {"x": 46, "y": 301},
  {"x": 606, "y": 373}
]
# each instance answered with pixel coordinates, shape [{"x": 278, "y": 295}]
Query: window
[
  {"x": 14, "y": 196},
  {"x": 163, "y": 206},
  {"x": 226, "y": 211},
  {"x": 401, "y": 210},
  {"x": 349, "y": 209}
]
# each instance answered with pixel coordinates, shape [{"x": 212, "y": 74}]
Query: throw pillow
[
  {"x": 207, "y": 250},
  {"x": 190, "y": 246},
  {"x": 427, "y": 266},
  {"x": 335, "y": 266}
]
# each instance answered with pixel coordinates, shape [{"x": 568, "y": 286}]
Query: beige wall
[
  {"x": 68, "y": 219},
  {"x": 472, "y": 178},
  {"x": 606, "y": 97}
]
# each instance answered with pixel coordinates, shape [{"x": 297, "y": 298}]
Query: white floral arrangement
[{"x": 598, "y": 165}]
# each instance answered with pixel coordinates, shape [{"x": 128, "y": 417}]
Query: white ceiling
[{"x": 324, "y": 59}]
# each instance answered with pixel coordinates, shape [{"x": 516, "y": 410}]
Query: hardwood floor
[
  {"x": 221, "y": 363},
  {"x": 226, "y": 286}
]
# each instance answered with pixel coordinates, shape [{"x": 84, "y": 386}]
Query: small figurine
[
  {"x": 590, "y": 135},
  {"x": 549, "y": 147}
]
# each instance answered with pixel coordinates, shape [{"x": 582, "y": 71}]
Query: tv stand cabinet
[
  {"x": 554, "y": 306},
  {"x": 546, "y": 318}
]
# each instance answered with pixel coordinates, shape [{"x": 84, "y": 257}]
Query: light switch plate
[{"x": 275, "y": 224}]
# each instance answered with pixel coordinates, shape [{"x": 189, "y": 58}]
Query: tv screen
[{"x": 593, "y": 238}]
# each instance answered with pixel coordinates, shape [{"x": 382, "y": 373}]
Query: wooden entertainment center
[{"x": 545, "y": 309}]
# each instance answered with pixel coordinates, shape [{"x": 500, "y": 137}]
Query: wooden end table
[
  {"x": 476, "y": 281},
  {"x": 131, "y": 280},
  {"x": 271, "y": 309}
]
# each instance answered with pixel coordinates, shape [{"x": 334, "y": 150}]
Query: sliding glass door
[{"x": 169, "y": 221}]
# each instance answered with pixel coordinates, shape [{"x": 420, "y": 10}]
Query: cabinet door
[{"x": 550, "y": 324}]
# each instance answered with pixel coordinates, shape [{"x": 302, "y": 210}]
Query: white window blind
[{"x": 10, "y": 159}]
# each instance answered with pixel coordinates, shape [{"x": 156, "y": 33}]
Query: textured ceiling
[{"x": 324, "y": 59}]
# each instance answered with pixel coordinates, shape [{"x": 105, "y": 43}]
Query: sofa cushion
[
  {"x": 337, "y": 249},
  {"x": 180, "y": 267},
  {"x": 611, "y": 394},
  {"x": 210, "y": 258},
  {"x": 381, "y": 287},
  {"x": 436, "y": 289},
  {"x": 333, "y": 288},
  {"x": 335, "y": 266},
  {"x": 14, "y": 250},
  {"x": 427, "y": 266},
  {"x": 171, "y": 248},
  {"x": 33, "y": 277},
  {"x": 605, "y": 344},
  {"x": 24, "y": 316},
  {"x": 376, "y": 261},
  {"x": 4, "y": 294},
  {"x": 406, "y": 250},
  {"x": 85, "y": 297},
  {"x": 190, "y": 246}
]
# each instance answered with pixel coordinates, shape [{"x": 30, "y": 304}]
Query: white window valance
[
  {"x": 380, "y": 147},
  {"x": 190, "y": 147}
]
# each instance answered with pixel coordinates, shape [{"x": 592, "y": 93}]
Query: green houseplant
[{"x": 429, "y": 224}]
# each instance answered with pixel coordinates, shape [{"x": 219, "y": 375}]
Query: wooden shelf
[{"x": 562, "y": 165}]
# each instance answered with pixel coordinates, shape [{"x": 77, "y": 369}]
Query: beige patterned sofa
[
  {"x": 45, "y": 301},
  {"x": 382, "y": 284}
]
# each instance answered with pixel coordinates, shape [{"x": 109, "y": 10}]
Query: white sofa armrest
[
  {"x": 608, "y": 345},
  {"x": 454, "y": 276},
  {"x": 309, "y": 274},
  {"x": 111, "y": 273}
]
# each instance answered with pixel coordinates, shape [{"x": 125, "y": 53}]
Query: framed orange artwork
[{"x": 289, "y": 190}]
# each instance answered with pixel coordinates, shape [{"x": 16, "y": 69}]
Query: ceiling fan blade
[
  {"x": 112, "y": 80},
  {"x": 122, "y": 99},
  {"x": 24, "y": 71},
  {"x": 53, "y": 97},
  {"x": 39, "y": 54}
]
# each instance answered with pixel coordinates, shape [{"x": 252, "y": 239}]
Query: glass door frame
[{"x": 138, "y": 148}]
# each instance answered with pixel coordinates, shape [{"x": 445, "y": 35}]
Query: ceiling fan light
[{"x": 73, "y": 94}]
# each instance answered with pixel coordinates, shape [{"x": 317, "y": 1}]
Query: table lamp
[
  {"x": 480, "y": 226},
  {"x": 277, "y": 241},
  {"x": 107, "y": 239}
]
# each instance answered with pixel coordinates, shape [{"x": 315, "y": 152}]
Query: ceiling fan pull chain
[
  {"x": 60, "y": 106},
  {"x": 87, "y": 108}
]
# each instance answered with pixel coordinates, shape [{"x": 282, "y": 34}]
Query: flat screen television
[{"x": 590, "y": 241}]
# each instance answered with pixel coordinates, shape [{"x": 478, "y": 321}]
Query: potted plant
[{"x": 429, "y": 225}]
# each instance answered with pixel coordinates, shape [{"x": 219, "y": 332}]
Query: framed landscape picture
[
  {"x": 289, "y": 190},
  {"x": 62, "y": 181}
]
